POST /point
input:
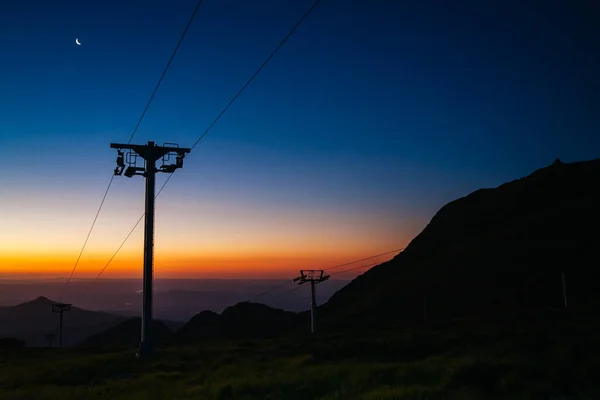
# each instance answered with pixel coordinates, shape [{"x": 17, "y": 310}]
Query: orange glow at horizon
[
  {"x": 217, "y": 239},
  {"x": 170, "y": 266}
]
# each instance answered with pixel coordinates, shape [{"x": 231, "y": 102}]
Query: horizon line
[{"x": 64, "y": 280}]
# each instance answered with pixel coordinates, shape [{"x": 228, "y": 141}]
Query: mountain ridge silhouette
[
  {"x": 31, "y": 321},
  {"x": 494, "y": 252}
]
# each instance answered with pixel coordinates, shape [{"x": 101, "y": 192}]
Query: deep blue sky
[{"x": 383, "y": 109}]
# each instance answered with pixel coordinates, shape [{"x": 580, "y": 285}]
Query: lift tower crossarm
[{"x": 150, "y": 153}]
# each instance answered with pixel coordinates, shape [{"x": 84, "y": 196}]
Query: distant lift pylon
[
  {"x": 313, "y": 276},
  {"x": 60, "y": 308}
]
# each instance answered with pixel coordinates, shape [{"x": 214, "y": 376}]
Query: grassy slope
[{"x": 542, "y": 360}]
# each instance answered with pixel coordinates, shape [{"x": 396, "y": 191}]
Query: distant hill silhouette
[
  {"x": 173, "y": 325},
  {"x": 254, "y": 320},
  {"x": 128, "y": 334},
  {"x": 205, "y": 325},
  {"x": 244, "y": 320},
  {"x": 34, "y": 320},
  {"x": 490, "y": 254}
]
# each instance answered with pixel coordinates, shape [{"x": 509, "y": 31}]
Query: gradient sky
[{"x": 372, "y": 116}]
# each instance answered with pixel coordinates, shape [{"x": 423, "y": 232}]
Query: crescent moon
[{"x": 77, "y": 41}]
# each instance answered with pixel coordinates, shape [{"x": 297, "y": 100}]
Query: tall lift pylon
[{"x": 150, "y": 153}]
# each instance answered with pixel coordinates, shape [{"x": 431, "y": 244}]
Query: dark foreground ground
[{"x": 534, "y": 358}]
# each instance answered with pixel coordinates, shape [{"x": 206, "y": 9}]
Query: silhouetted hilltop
[
  {"x": 255, "y": 320},
  {"x": 35, "y": 304},
  {"x": 244, "y": 320},
  {"x": 205, "y": 325},
  {"x": 33, "y": 320},
  {"x": 127, "y": 334},
  {"x": 492, "y": 253}
]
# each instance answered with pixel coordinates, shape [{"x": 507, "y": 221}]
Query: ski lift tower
[
  {"x": 313, "y": 276},
  {"x": 150, "y": 153}
]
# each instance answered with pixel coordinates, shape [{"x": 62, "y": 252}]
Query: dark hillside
[
  {"x": 205, "y": 325},
  {"x": 33, "y": 320},
  {"x": 244, "y": 320},
  {"x": 254, "y": 320},
  {"x": 493, "y": 253},
  {"x": 127, "y": 334}
]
